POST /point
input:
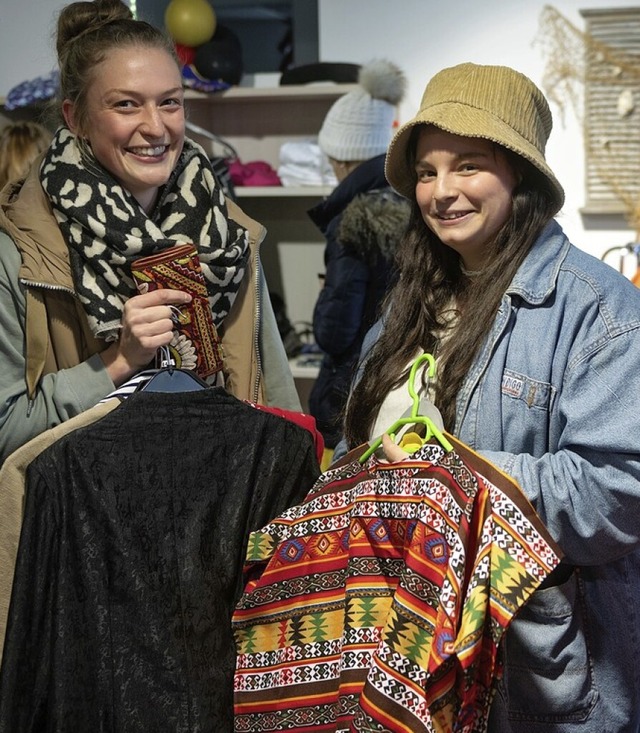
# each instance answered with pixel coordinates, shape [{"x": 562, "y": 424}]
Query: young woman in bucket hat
[{"x": 537, "y": 346}]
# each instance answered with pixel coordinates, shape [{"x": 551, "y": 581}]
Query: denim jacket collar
[{"x": 536, "y": 278}]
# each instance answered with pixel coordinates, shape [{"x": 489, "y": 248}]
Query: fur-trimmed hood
[{"x": 373, "y": 223}]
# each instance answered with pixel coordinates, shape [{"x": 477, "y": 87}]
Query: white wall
[
  {"x": 424, "y": 36},
  {"x": 27, "y": 45}
]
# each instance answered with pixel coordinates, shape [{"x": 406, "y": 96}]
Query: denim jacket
[{"x": 553, "y": 399}]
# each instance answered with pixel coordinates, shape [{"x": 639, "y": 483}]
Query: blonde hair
[{"x": 20, "y": 145}]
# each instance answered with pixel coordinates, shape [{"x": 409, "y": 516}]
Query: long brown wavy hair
[{"x": 429, "y": 279}]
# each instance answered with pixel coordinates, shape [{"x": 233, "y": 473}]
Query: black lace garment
[{"x": 130, "y": 561}]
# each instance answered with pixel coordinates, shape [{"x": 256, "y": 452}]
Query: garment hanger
[
  {"x": 414, "y": 418},
  {"x": 228, "y": 150},
  {"x": 170, "y": 378}
]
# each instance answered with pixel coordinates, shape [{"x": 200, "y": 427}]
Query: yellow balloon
[{"x": 190, "y": 22}]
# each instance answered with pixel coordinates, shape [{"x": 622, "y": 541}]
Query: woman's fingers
[
  {"x": 148, "y": 322},
  {"x": 392, "y": 452}
]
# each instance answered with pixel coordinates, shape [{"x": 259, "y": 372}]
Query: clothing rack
[
  {"x": 631, "y": 248},
  {"x": 625, "y": 249}
]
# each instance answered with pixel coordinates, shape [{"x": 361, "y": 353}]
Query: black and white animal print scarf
[{"x": 106, "y": 229}]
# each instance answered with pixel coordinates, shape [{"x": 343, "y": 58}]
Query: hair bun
[{"x": 80, "y": 18}]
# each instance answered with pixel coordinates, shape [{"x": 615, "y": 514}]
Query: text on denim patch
[{"x": 531, "y": 391}]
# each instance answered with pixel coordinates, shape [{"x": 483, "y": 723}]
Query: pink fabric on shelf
[{"x": 254, "y": 173}]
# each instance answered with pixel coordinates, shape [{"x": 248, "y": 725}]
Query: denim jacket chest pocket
[
  {"x": 526, "y": 404},
  {"x": 533, "y": 393}
]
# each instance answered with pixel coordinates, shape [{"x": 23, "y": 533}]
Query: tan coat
[
  {"x": 12, "y": 480},
  {"x": 57, "y": 331}
]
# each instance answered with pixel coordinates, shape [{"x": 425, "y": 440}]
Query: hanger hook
[{"x": 412, "y": 377}]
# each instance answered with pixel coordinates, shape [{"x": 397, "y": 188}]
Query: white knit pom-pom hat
[{"x": 360, "y": 124}]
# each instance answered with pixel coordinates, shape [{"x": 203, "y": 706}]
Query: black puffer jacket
[{"x": 362, "y": 221}]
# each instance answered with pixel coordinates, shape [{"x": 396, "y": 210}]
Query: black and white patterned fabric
[{"x": 106, "y": 229}]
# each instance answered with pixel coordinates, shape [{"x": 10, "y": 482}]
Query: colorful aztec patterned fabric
[{"x": 379, "y": 603}]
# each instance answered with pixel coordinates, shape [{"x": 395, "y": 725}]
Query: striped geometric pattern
[{"x": 379, "y": 603}]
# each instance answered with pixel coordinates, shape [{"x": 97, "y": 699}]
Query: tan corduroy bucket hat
[{"x": 492, "y": 102}]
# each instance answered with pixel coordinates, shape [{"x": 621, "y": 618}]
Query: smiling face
[
  {"x": 135, "y": 118},
  {"x": 464, "y": 191}
]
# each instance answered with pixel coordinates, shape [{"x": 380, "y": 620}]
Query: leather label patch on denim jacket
[{"x": 531, "y": 391}]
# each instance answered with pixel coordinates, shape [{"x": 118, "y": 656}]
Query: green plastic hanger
[{"x": 414, "y": 418}]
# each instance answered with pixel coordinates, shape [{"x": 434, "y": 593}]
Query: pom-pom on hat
[
  {"x": 359, "y": 125},
  {"x": 491, "y": 102}
]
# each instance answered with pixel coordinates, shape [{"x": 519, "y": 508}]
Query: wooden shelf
[
  {"x": 263, "y": 114},
  {"x": 305, "y": 367},
  {"x": 313, "y": 192},
  {"x": 286, "y": 93}
]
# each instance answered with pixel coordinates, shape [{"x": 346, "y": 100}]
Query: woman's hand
[
  {"x": 146, "y": 326},
  {"x": 392, "y": 451}
]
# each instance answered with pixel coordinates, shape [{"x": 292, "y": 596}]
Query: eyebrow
[{"x": 132, "y": 93}]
